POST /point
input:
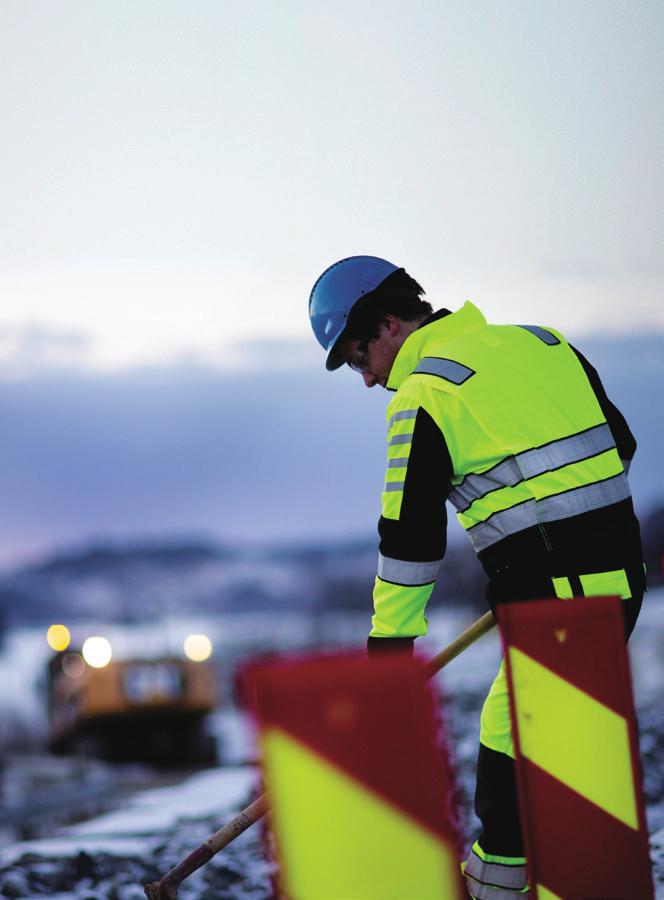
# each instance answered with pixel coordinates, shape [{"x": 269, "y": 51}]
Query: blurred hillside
[
  {"x": 144, "y": 581},
  {"x": 137, "y": 582}
]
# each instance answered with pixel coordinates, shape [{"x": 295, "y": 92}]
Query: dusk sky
[{"x": 176, "y": 175}]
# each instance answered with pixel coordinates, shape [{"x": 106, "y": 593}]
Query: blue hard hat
[{"x": 337, "y": 291}]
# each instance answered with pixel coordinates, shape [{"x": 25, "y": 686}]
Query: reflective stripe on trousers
[
  {"x": 495, "y": 877},
  {"x": 479, "y": 891}
]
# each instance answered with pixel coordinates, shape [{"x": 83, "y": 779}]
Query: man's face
[{"x": 374, "y": 359}]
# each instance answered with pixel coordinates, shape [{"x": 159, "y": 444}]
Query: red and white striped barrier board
[{"x": 578, "y": 767}]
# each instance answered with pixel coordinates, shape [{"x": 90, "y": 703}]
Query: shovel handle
[
  {"x": 237, "y": 825},
  {"x": 166, "y": 888},
  {"x": 480, "y": 627}
]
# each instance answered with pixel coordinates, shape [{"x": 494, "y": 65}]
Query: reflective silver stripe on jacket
[
  {"x": 542, "y": 334},
  {"x": 443, "y": 368},
  {"x": 401, "y": 415},
  {"x": 399, "y": 571},
  {"x": 551, "y": 509},
  {"x": 398, "y": 462},
  {"x": 484, "y": 892},
  {"x": 500, "y": 875},
  {"x": 626, "y": 464},
  {"x": 401, "y": 439},
  {"x": 394, "y": 486},
  {"x": 515, "y": 469}
]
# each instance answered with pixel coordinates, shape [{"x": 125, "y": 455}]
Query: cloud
[
  {"x": 33, "y": 348},
  {"x": 260, "y": 454},
  {"x": 279, "y": 354},
  {"x": 252, "y": 456}
]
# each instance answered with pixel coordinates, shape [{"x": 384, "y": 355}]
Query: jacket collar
[{"x": 428, "y": 339}]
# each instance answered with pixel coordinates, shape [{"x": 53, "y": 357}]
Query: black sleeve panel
[
  {"x": 625, "y": 441},
  {"x": 420, "y": 532}
]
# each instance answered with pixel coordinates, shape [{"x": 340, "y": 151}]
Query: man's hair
[{"x": 398, "y": 295}]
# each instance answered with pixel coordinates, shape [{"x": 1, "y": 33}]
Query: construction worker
[{"x": 511, "y": 424}]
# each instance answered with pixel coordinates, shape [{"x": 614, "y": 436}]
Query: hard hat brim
[{"x": 334, "y": 360}]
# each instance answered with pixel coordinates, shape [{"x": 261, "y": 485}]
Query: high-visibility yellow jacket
[{"x": 503, "y": 421}]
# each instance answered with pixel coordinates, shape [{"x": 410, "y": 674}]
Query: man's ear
[{"x": 391, "y": 324}]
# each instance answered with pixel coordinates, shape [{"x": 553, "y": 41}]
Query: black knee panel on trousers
[{"x": 497, "y": 804}]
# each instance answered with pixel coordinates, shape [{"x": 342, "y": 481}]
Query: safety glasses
[{"x": 359, "y": 360}]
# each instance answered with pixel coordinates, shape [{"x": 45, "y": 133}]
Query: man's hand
[{"x": 390, "y": 646}]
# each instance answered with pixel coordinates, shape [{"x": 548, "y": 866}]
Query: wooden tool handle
[
  {"x": 166, "y": 888},
  {"x": 466, "y": 638},
  {"x": 239, "y": 824}
]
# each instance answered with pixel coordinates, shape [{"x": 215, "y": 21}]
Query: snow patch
[{"x": 134, "y": 830}]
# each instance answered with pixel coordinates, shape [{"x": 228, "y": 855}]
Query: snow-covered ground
[{"x": 111, "y": 856}]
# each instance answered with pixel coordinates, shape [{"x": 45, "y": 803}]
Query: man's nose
[{"x": 369, "y": 379}]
